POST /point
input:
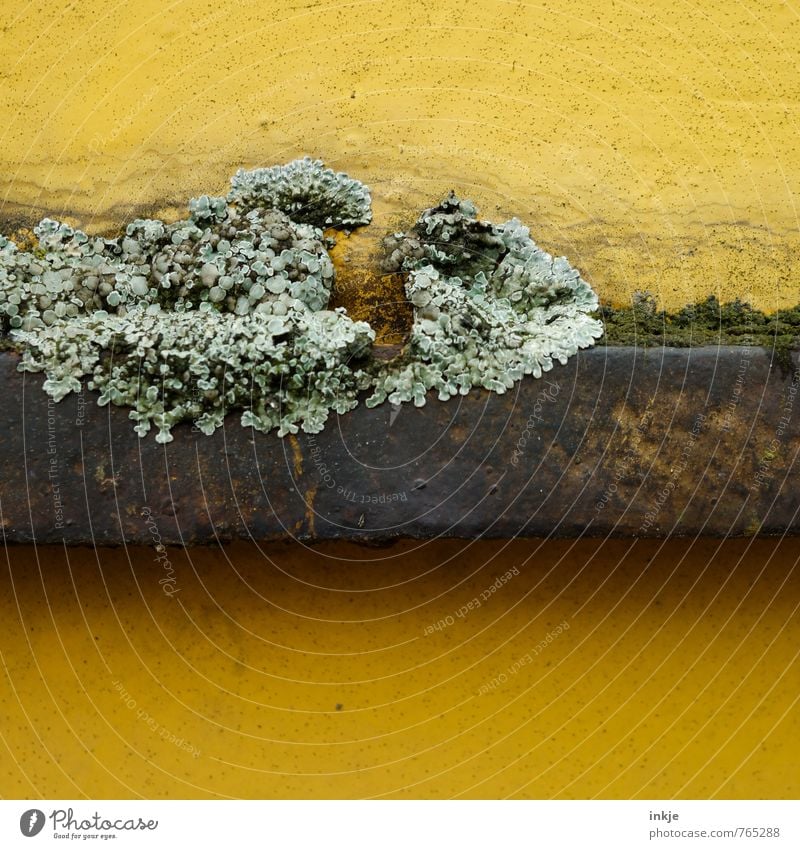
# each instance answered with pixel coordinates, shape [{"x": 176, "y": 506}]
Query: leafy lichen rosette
[
  {"x": 306, "y": 191},
  {"x": 228, "y": 309},
  {"x": 222, "y": 311},
  {"x": 490, "y": 306}
]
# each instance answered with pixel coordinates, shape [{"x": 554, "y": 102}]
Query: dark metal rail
[{"x": 621, "y": 441}]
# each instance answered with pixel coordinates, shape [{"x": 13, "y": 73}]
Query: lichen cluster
[
  {"x": 227, "y": 310},
  {"x": 242, "y": 253},
  {"x": 490, "y": 306},
  {"x": 238, "y": 262},
  {"x": 306, "y": 192},
  {"x": 187, "y": 321}
]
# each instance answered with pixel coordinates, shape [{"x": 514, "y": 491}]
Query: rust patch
[
  {"x": 311, "y": 494},
  {"x": 693, "y": 441},
  {"x": 365, "y": 292},
  {"x": 297, "y": 455}
]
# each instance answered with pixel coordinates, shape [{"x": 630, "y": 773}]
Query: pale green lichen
[
  {"x": 187, "y": 321},
  {"x": 490, "y": 306},
  {"x": 306, "y": 191},
  {"x": 239, "y": 262},
  {"x": 227, "y": 310},
  {"x": 281, "y": 371},
  {"x": 241, "y": 253}
]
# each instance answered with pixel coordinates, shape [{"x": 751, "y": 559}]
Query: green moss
[{"x": 706, "y": 322}]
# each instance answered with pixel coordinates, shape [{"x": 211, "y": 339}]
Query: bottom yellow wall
[{"x": 281, "y": 671}]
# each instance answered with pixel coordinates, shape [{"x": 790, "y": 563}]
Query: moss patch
[{"x": 706, "y": 322}]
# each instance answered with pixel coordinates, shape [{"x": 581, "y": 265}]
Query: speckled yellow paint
[
  {"x": 655, "y": 143},
  {"x": 285, "y": 672}
]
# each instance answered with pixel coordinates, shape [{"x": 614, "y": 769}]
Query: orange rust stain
[
  {"x": 297, "y": 455},
  {"x": 311, "y": 494},
  {"x": 365, "y": 291}
]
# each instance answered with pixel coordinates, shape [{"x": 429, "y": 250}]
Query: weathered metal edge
[{"x": 619, "y": 441}]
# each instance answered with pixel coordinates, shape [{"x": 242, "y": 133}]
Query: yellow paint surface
[
  {"x": 287, "y": 672},
  {"x": 655, "y": 143}
]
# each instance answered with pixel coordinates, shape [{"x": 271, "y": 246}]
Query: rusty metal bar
[{"x": 621, "y": 441}]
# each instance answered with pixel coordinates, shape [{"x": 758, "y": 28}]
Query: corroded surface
[{"x": 618, "y": 441}]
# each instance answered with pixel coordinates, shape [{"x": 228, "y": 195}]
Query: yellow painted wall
[
  {"x": 287, "y": 672},
  {"x": 655, "y": 143}
]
